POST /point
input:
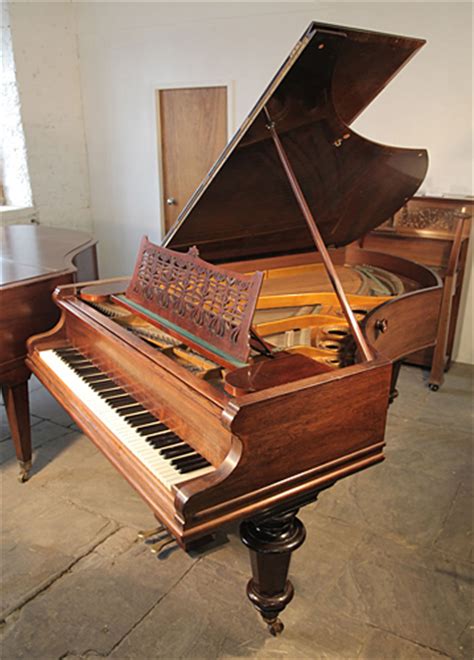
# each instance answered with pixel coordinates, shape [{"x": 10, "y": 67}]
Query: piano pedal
[
  {"x": 156, "y": 548},
  {"x": 145, "y": 534}
]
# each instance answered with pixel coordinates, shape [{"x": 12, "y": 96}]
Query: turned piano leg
[
  {"x": 18, "y": 413},
  {"x": 271, "y": 542}
]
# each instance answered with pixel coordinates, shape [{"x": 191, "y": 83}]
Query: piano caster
[
  {"x": 24, "y": 474},
  {"x": 271, "y": 542},
  {"x": 275, "y": 627},
  {"x": 393, "y": 395},
  {"x": 433, "y": 387}
]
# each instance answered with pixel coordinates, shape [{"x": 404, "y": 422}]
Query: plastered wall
[
  {"x": 122, "y": 52},
  {"x": 13, "y": 157},
  {"x": 44, "y": 38}
]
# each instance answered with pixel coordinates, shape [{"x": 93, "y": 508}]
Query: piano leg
[
  {"x": 271, "y": 542},
  {"x": 18, "y": 413}
]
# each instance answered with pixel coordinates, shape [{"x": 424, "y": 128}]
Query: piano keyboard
[{"x": 158, "y": 448}]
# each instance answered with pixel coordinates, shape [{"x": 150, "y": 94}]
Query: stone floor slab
[
  {"x": 96, "y": 603},
  {"x": 42, "y": 431},
  {"x": 432, "y": 449},
  {"x": 44, "y": 405},
  {"x": 382, "y": 645},
  {"x": 455, "y": 537},
  {"x": 382, "y": 499},
  {"x": 41, "y": 538},
  {"x": 85, "y": 476},
  {"x": 451, "y": 406},
  {"x": 207, "y": 616},
  {"x": 414, "y": 594}
]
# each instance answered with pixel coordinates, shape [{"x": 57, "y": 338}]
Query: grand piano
[
  {"x": 247, "y": 364},
  {"x": 34, "y": 260}
]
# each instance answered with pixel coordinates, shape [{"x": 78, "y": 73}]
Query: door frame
[{"x": 230, "y": 87}]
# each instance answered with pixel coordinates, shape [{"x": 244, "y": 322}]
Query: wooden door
[{"x": 192, "y": 125}]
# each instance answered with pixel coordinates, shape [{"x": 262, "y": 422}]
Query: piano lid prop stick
[{"x": 333, "y": 276}]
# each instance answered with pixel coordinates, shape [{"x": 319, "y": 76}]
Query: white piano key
[{"x": 150, "y": 457}]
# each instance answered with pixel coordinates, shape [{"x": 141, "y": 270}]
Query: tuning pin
[
  {"x": 149, "y": 533},
  {"x": 156, "y": 548}
]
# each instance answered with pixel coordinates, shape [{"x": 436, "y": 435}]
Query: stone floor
[{"x": 386, "y": 570}]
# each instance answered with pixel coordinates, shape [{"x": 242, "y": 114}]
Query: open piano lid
[{"x": 244, "y": 208}]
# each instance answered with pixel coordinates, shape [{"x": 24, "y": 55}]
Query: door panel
[{"x": 192, "y": 124}]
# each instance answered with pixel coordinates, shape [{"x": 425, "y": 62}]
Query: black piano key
[
  {"x": 163, "y": 435},
  {"x": 123, "y": 401},
  {"x": 77, "y": 363},
  {"x": 184, "y": 461},
  {"x": 193, "y": 466},
  {"x": 128, "y": 408},
  {"x": 152, "y": 429},
  {"x": 103, "y": 386},
  {"x": 95, "y": 378},
  {"x": 140, "y": 420},
  {"x": 165, "y": 440},
  {"x": 82, "y": 365},
  {"x": 178, "y": 450},
  {"x": 88, "y": 371},
  {"x": 112, "y": 392},
  {"x": 66, "y": 350},
  {"x": 76, "y": 360},
  {"x": 72, "y": 357}
]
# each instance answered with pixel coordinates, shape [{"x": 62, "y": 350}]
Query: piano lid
[{"x": 245, "y": 208}]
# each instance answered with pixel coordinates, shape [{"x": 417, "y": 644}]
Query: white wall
[
  {"x": 13, "y": 158},
  {"x": 126, "y": 50},
  {"x": 44, "y": 40},
  {"x": 129, "y": 49}
]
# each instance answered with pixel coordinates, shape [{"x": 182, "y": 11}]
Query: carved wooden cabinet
[{"x": 433, "y": 231}]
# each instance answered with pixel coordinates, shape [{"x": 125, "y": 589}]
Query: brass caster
[
  {"x": 275, "y": 627},
  {"x": 24, "y": 474},
  {"x": 150, "y": 533}
]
